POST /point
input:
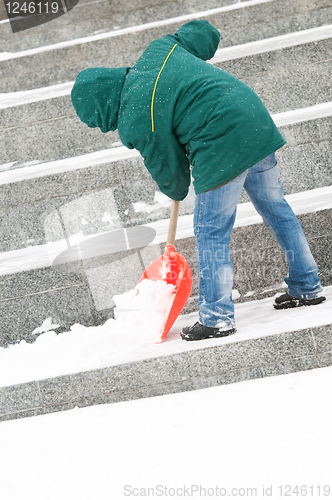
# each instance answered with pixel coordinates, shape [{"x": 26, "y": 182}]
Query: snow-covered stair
[
  {"x": 61, "y": 182},
  {"x": 92, "y": 366}
]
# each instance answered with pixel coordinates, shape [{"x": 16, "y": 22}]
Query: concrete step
[
  {"x": 307, "y": 145},
  {"x": 61, "y": 62},
  {"x": 42, "y": 203},
  {"x": 286, "y": 79},
  {"x": 176, "y": 366},
  {"x": 30, "y": 188},
  {"x": 81, "y": 291},
  {"x": 223, "y": 56},
  {"x": 90, "y": 18},
  {"x": 236, "y": 57}
]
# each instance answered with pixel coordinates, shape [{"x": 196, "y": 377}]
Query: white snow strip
[
  {"x": 121, "y": 153},
  {"x": 32, "y": 257},
  {"x": 66, "y": 165},
  {"x": 7, "y": 166},
  {"x": 39, "y": 256},
  {"x": 4, "y": 21},
  {"x": 134, "y": 335},
  {"x": 12, "y": 99},
  {"x": 274, "y": 43},
  {"x": 301, "y": 203},
  {"x": 5, "y": 56},
  {"x": 301, "y": 115}
]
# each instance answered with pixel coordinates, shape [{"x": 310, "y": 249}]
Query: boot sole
[
  {"x": 211, "y": 336},
  {"x": 290, "y": 304}
]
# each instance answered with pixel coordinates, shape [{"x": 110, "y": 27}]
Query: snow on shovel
[{"x": 172, "y": 268}]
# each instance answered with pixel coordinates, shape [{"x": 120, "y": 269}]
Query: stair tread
[
  {"x": 255, "y": 320},
  {"x": 265, "y": 44}
]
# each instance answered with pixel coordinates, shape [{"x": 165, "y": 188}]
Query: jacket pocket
[
  {"x": 265, "y": 164},
  {"x": 240, "y": 177}
]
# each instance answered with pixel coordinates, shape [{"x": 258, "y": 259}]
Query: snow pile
[
  {"x": 46, "y": 326},
  {"x": 160, "y": 199},
  {"x": 140, "y": 315},
  {"x": 135, "y": 334}
]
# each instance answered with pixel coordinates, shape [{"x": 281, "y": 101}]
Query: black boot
[
  {"x": 199, "y": 332},
  {"x": 286, "y": 301}
]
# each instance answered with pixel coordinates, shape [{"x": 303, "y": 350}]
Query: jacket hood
[
  {"x": 199, "y": 38},
  {"x": 96, "y": 96}
]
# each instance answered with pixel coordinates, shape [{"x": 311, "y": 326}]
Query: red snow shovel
[{"x": 172, "y": 268}]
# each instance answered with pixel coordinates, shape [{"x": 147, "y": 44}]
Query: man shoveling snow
[{"x": 179, "y": 111}]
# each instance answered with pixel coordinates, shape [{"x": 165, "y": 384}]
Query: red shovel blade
[{"x": 172, "y": 268}]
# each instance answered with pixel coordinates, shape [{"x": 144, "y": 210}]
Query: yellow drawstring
[{"x": 155, "y": 86}]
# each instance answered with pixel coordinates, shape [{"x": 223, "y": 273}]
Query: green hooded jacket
[{"x": 178, "y": 110}]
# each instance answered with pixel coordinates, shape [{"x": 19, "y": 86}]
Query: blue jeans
[{"x": 214, "y": 217}]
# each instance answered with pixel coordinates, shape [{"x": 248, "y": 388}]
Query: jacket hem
[{"x": 230, "y": 178}]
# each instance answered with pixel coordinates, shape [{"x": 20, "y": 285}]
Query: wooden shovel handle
[{"x": 173, "y": 222}]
